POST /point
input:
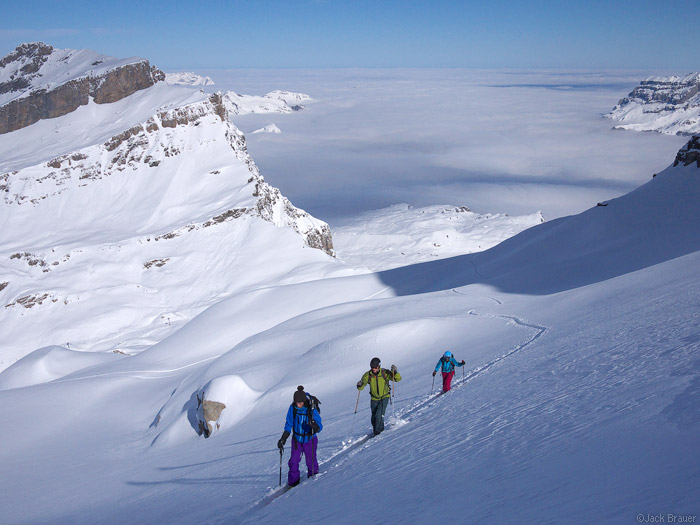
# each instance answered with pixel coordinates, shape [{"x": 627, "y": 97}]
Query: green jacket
[{"x": 379, "y": 383}]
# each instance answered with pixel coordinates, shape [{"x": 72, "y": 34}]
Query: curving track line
[{"x": 355, "y": 447}]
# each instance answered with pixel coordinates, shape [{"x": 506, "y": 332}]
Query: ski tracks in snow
[
  {"x": 428, "y": 401},
  {"x": 351, "y": 447}
]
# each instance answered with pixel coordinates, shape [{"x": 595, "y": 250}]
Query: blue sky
[{"x": 178, "y": 35}]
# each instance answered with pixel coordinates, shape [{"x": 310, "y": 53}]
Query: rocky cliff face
[
  {"x": 689, "y": 153},
  {"x": 669, "y": 105},
  {"x": 666, "y": 90},
  {"x": 30, "y": 90}
]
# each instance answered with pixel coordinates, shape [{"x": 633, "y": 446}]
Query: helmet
[
  {"x": 375, "y": 362},
  {"x": 448, "y": 354}
]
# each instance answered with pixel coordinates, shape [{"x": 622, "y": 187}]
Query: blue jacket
[
  {"x": 448, "y": 365},
  {"x": 298, "y": 422}
]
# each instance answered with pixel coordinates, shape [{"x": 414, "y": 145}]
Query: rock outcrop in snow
[
  {"x": 689, "y": 153},
  {"x": 669, "y": 105},
  {"x": 38, "y": 82}
]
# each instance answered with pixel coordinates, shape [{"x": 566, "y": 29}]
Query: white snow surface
[
  {"x": 403, "y": 234},
  {"x": 188, "y": 78},
  {"x": 580, "y": 399},
  {"x": 668, "y": 105}
]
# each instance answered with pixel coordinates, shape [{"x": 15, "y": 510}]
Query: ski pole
[
  {"x": 353, "y": 417},
  {"x": 281, "y": 452}
]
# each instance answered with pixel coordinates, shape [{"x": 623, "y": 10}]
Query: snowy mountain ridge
[
  {"x": 188, "y": 78},
  {"x": 39, "y": 82},
  {"x": 144, "y": 146},
  {"x": 669, "y": 105},
  {"x": 37, "y": 66},
  {"x": 126, "y": 218}
]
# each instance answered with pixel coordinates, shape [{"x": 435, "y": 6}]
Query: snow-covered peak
[
  {"x": 38, "y": 66},
  {"x": 668, "y": 105},
  {"x": 188, "y": 79},
  {"x": 270, "y": 128},
  {"x": 38, "y": 82}
]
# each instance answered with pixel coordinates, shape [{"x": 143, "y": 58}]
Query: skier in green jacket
[{"x": 380, "y": 391}]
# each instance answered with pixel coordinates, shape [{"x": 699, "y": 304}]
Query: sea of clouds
[{"x": 501, "y": 141}]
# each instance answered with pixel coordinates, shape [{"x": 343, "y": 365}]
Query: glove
[
  {"x": 463, "y": 363},
  {"x": 434, "y": 374},
  {"x": 283, "y": 440},
  {"x": 359, "y": 385},
  {"x": 315, "y": 427},
  {"x": 393, "y": 368}
]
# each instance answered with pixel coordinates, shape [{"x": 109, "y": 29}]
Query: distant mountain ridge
[
  {"x": 38, "y": 82},
  {"x": 188, "y": 78},
  {"x": 669, "y": 105}
]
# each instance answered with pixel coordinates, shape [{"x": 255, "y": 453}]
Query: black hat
[
  {"x": 375, "y": 362},
  {"x": 300, "y": 395}
]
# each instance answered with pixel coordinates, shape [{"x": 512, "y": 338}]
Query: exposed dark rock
[
  {"x": 38, "y": 52},
  {"x": 671, "y": 90},
  {"x": 227, "y": 215},
  {"x": 689, "y": 153},
  {"x": 3, "y": 285},
  {"x": 208, "y": 412},
  {"x": 29, "y": 301},
  {"x": 41, "y": 104},
  {"x": 118, "y": 140},
  {"x": 155, "y": 262},
  {"x": 32, "y": 259}
]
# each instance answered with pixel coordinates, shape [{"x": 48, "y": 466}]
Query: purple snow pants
[
  {"x": 309, "y": 451},
  {"x": 447, "y": 380}
]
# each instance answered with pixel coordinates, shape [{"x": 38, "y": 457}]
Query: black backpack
[{"x": 313, "y": 402}]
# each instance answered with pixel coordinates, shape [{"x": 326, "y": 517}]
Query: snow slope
[
  {"x": 579, "y": 403},
  {"x": 402, "y": 234}
]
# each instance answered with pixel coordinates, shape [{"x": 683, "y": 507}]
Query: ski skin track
[{"x": 411, "y": 412}]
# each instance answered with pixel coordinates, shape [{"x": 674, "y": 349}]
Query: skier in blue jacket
[
  {"x": 447, "y": 363},
  {"x": 304, "y": 422}
]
